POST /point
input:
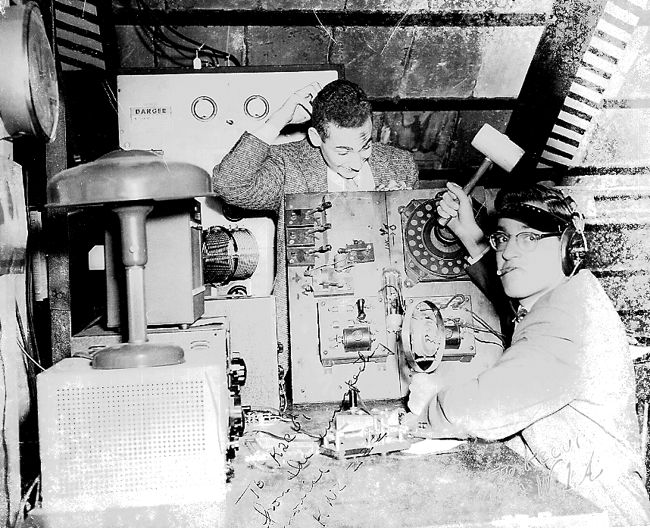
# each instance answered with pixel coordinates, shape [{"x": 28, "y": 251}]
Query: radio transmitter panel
[
  {"x": 197, "y": 117},
  {"x": 377, "y": 292}
]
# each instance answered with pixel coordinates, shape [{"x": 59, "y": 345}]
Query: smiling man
[
  {"x": 562, "y": 394},
  {"x": 337, "y": 155}
]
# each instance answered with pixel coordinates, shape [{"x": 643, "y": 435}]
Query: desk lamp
[{"x": 129, "y": 182}]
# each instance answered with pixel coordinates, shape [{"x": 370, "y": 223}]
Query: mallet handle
[
  {"x": 469, "y": 186},
  {"x": 485, "y": 165}
]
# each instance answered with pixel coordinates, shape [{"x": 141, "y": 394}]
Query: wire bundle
[{"x": 185, "y": 47}]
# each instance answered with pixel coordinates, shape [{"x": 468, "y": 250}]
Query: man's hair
[
  {"x": 557, "y": 203},
  {"x": 342, "y": 103}
]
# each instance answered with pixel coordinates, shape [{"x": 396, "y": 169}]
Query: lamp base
[{"x": 138, "y": 355}]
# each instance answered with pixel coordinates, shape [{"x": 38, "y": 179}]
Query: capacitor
[{"x": 453, "y": 337}]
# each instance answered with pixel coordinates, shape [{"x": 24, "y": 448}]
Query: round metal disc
[
  {"x": 430, "y": 251},
  {"x": 138, "y": 355},
  {"x": 126, "y": 176}
]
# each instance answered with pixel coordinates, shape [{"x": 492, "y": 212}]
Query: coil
[
  {"x": 423, "y": 336},
  {"x": 357, "y": 339},
  {"x": 228, "y": 254}
]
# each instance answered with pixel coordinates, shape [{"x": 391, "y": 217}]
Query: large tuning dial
[{"x": 430, "y": 252}]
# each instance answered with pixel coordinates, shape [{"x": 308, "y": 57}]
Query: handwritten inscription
[
  {"x": 299, "y": 492},
  {"x": 282, "y": 447},
  {"x": 556, "y": 470},
  {"x": 308, "y": 497},
  {"x": 571, "y": 463}
]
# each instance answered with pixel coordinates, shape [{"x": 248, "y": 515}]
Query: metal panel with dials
[
  {"x": 366, "y": 272},
  {"x": 197, "y": 117}
]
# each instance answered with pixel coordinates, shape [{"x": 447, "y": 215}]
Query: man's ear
[{"x": 314, "y": 137}]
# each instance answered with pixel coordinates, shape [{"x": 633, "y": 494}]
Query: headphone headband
[{"x": 533, "y": 216}]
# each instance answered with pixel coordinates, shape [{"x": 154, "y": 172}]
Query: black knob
[
  {"x": 238, "y": 371},
  {"x": 361, "y": 309}
]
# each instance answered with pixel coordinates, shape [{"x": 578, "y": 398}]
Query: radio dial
[
  {"x": 204, "y": 108},
  {"x": 256, "y": 107}
]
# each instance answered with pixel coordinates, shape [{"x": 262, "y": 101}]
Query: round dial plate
[
  {"x": 204, "y": 108},
  {"x": 43, "y": 86},
  {"x": 427, "y": 254},
  {"x": 256, "y": 107},
  {"x": 29, "y": 93}
]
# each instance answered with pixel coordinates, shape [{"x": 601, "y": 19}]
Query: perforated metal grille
[
  {"x": 218, "y": 255},
  {"x": 130, "y": 437},
  {"x": 228, "y": 254},
  {"x": 248, "y": 254}
]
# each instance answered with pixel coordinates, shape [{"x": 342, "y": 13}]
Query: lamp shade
[{"x": 126, "y": 176}]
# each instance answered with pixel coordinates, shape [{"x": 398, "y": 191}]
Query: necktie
[
  {"x": 521, "y": 313},
  {"x": 349, "y": 184}
]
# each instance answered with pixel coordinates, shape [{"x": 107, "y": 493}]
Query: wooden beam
[
  {"x": 301, "y": 17},
  {"x": 442, "y": 104}
]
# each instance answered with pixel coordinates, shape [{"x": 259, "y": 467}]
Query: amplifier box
[
  {"x": 253, "y": 335},
  {"x": 128, "y": 438},
  {"x": 173, "y": 276}
]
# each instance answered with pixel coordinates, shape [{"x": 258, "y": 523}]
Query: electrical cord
[
  {"x": 497, "y": 343},
  {"x": 353, "y": 382},
  {"x": 3, "y": 440},
  {"x": 154, "y": 40},
  {"x": 26, "y": 354},
  {"x": 24, "y": 501},
  {"x": 158, "y": 26},
  {"x": 188, "y": 52},
  {"x": 352, "y": 386},
  {"x": 489, "y": 329},
  {"x": 110, "y": 94},
  {"x": 157, "y": 46},
  {"x": 281, "y": 417},
  {"x": 222, "y": 54},
  {"x": 29, "y": 366}
]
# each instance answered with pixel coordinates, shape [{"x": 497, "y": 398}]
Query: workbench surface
[{"x": 280, "y": 480}]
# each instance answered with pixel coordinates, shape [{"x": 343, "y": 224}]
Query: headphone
[{"x": 573, "y": 243}]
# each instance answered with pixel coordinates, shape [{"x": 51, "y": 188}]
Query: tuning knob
[{"x": 238, "y": 371}]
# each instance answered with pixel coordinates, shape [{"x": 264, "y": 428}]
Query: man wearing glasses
[{"x": 563, "y": 393}]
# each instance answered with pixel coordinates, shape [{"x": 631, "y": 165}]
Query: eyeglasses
[{"x": 526, "y": 240}]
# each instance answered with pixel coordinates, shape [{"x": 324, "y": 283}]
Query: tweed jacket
[
  {"x": 563, "y": 394},
  {"x": 255, "y": 175}
]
